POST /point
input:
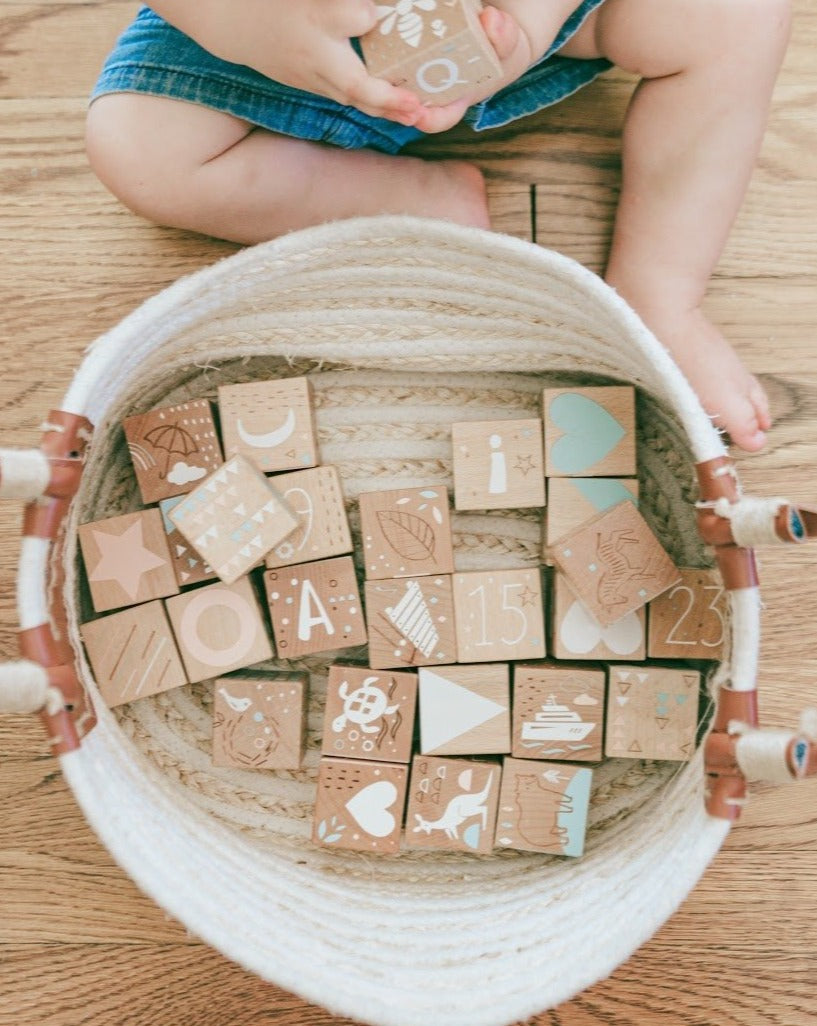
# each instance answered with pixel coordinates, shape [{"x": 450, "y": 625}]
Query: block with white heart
[
  {"x": 543, "y": 806},
  {"x": 219, "y": 628},
  {"x": 578, "y": 635},
  {"x": 589, "y": 432},
  {"x": 652, "y": 712},
  {"x": 558, "y": 712},
  {"x": 359, "y": 805},
  {"x": 615, "y": 563},
  {"x": 452, "y": 804},
  {"x": 315, "y": 607},
  {"x": 436, "y": 48},
  {"x": 269, "y": 422},
  {"x": 465, "y": 710},
  {"x": 234, "y": 518}
]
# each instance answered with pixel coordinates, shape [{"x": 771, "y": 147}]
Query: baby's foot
[{"x": 732, "y": 396}]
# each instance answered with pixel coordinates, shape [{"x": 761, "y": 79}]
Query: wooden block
[
  {"x": 316, "y": 498},
  {"x": 615, "y": 563},
  {"x": 572, "y": 501},
  {"x": 498, "y": 464},
  {"x": 499, "y": 615},
  {"x": 127, "y": 560},
  {"x": 234, "y": 518},
  {"x": 465, "y": 710},
  {"x": 411, "y": 622},
  {"x": 172, "y": 448},
  {"x": 259, "y": 719},
  {"x": 133, "y": 653},
  {"x": 369, "y": 715},
  {"x": 315, "y": 607},
  {"x": 543, "y": 807},
  {"x": 438, "y": 51},
  {"x": 359, "y": 805},
  {"x": 590, "y": 432},
  {"x": 452, "y": 804},
  {"x": 188, "y": 565},
  {"x": 406, "y": 533},
  {"x": 577, "y": 634},
  {"x": 652, "y": 713},
  {"x": 689, "y": 620},
  {"x": 219, "y": 628},
  {"x": 558, "y": 712},
  {"x": 269, "y": 422}
]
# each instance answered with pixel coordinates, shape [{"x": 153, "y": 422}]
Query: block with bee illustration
[
  {"x": 437, "y": 50},
  {"x": 406, "y": 532}
]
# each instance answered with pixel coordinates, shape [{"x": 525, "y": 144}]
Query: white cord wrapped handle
[
  {"x": 24, "y": 474},
  {"x": 25, "y": 688}
]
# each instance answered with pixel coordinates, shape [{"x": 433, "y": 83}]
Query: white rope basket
[{"x": 404, "y": 326}]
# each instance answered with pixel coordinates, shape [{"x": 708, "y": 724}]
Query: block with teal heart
[{"x": 589, "y": 431}]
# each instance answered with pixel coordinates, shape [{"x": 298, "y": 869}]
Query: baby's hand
[
  {"x": 513, "y": 49},
  {"x": 304, "y": 44}
]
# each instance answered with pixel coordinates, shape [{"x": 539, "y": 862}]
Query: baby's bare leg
[
  {"x": 186, "y": 166},
  {"x": 691, "y": 138}
]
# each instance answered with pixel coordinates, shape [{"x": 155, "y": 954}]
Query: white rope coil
[
  {"x": 24, "y": 688},
  {"x": 762, "y": 755},
  {"x": 24, "y": 474},
  {"x": 752, "y": 519}
]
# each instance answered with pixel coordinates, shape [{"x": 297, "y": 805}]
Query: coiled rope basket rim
[{"x": 393, "y": 942}]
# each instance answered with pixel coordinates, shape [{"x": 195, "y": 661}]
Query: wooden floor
[{"x": 78, "y": 943}]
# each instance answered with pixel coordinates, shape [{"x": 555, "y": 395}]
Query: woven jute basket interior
[{"x": 403, "y": 328}]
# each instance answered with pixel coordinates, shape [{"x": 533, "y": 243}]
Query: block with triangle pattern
[
  {"x": 234, "y": 518},
  {"x": 188, "y": 565},
  {"x": 465, "y": 710},
  {"x": 652, "y": 712}
]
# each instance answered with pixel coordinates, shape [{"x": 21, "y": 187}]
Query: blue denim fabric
[{"x": 153, "y": 57}]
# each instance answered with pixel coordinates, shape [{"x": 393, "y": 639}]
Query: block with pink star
[{"x": 127, "y": 560}]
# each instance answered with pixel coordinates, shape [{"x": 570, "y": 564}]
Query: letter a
[{"x": 305, "y": 620}]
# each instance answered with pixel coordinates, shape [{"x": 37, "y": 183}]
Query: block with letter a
[{"x": 315, "y": 607}]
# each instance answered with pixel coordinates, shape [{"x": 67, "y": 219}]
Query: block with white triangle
[
  {"x": 188, "y": 565},
  {"x": 652, "y": 712},
  {"x": 465, "y": 710},
  {"x": 234, "y": 536}
]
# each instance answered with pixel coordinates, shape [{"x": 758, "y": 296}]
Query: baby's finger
[
  {"x": 351, "y": 84},
  {"x": 502, "y": 30},
  {"x": 440, "y": 119}
]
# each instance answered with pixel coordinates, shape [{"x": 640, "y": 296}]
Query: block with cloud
[{"x": 172, "y": 448}]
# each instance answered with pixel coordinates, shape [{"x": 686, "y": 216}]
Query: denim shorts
[{"x": 152, "y": 57}]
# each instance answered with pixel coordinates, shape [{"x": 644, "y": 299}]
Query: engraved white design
[
  {"x": 412, "y": 618},
  {"x": 406, "y": 20},
  {"x": 459, "y": 809},
  {"x": 498, "y": 483},
  {"x": 370, "y": 806},
  {"x": 269, "y": 439}
]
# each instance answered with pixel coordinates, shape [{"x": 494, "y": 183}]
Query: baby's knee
[
  {"x": 125, "y": 152},
  {"x": 752, "y": 26}
]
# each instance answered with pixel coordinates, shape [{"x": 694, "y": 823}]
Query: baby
[{"x": 244, "y": 119}]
